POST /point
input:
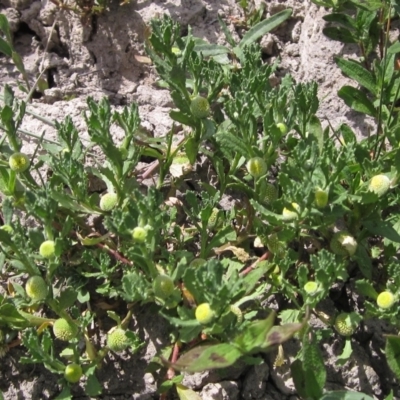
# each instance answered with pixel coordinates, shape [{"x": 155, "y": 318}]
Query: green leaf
[
  {"x": 392, "y": 351},
  {"x": 9, "y": 316},
  {"x": 181, "y": 117},
  {"x": 5, "y": 48},
  {"x": 5, "y": 27},
  {"x": 185, "y": 393},
  {"x": 356, "y": 71},
  {"x": 67, "y": 298},
  {"x": 382, "y": 228},
  {"x": 208, "y": 357},
  {"x": 346, "y": 353},
  {"x": 345, "y": 395},
  {"x": 342, "y": 19},
  {"x": 357, "y": 100},
  {"x": 65, "y": 394},
  {"x": 339, "y": 34},
  {"x": 366, "y": 288},
  {"x": 211, "y": 50},
  {"x": 264, "y": 27},
  {"x": 93, "y": 387},
  {"x": 254, "y": 336}
]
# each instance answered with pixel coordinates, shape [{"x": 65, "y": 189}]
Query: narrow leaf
[
  {"x": 185, "y": 393},
  {"x": 264, "y": 27},
  {"x": 340, "y": 34},
  {"x": 392, "y": 351}
]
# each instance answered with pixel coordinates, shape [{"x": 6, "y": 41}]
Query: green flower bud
[
  {"x": 256, "y": 167},
  {"x": 343, "y": 244},
  {"x": 19, "y": 162},
  {"x": 213, "y": 218},
  {"x": 311, "y": 287},
  {"x": 379, "y": 184},
  {"x": 163, "y": 286},
  {"x": 73, "y": 373},
  {"x": 108, "y": 201},
  {"x": 64, "y": 330},
  {"x": 200, "y": 107},
  {"x": 344, "y": 325},
  {"x": 385, "y": 300},
  {"x": 204, "y": 314},
  {"x": 290, "y": 215},
  {"x": 117, "y": 340},
  {"x": 8, "y": 228},
  {"x": 36, "y": 288},
  {"x": 47, "y": 249},
  {"x": 139, "y": 234},
  {"x": 321, "y": 198},
  {"x": 282, "y": 127}
]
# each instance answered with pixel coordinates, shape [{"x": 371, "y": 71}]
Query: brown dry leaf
[
  {"x": 142, "y": 59},
  {"x": 241, "y": 254}
]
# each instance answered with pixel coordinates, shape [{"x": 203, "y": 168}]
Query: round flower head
[
  {"x": 200, "y": 107},
  {"x": 321, "y": 198},
  {"x": 47, "y": 249},
  {"x": 64, "y": 330},
  {"x": 19, "y": 162},
  {"x": 117, "y": 340},
  {"x": 385, "y": 300},
  {"x": 139, "y": 234},
  {"x": 256, "y": 167},
  {"x": 204, "y": 314},
  {"x": 163, "y": 286},
  {"x": 343, "y": 324},
  {"x": 343, "y": 244},
  {"x": 108, "y": 201},
  {"x": 289, "y": 215},
  {"x": 36, "y": 288},
  {"x": 73, "y": 373},
  {"x": 311, "y": 287},
  {"x": 379, "y": 184}
]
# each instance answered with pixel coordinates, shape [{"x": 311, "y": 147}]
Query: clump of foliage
[{"x": 320, "y": 205}]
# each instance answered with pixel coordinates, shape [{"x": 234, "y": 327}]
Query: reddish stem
[{"x": 252, "y": 266}]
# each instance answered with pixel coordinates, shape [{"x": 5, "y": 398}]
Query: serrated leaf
[
  {"x": 355, "y": 71},
  {"x": 233, "y": 143},
  {"x": 263, "y": 27},
  {"x": 185, "y": 393},
  {"x": 357, "y": 100},
  {"x": 392, "y": 351}
]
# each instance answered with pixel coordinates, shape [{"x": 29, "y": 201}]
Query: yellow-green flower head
[
  {"x": 64, "y": 330},
  {"x": 36, "y": 288},
  {"x": 108, "y": 201},
  {"x": 282, "y": 127},
  {"x": 385, "y": 300},
  {"x": 204, "y": 314},
  {"x": 343, "y": 244},
  {"x": 139, "y": 234},
  {"x": 47, "y": 249},
  {"x": 163, "y": 286},
  {"x": 379, "y": 184},
  {"x": 73, "y": 373},
  {"x": 321, "y": 198},
  {"x": 256, "y": 167},
  {"x": 290, "y": 215},
  {"x": 117, "y": 340},
  {"x": 343, "y": 324},
  {"x": 19, "y": 162},
  {"x": 311, "y": 287},
  {"x": 200, "y": 107}
]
